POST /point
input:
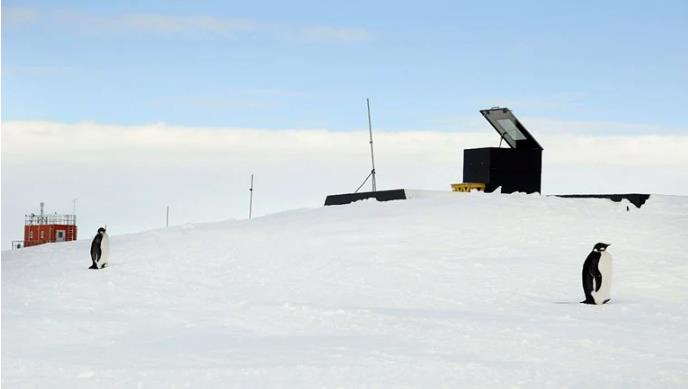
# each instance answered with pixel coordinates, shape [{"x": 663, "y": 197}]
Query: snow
[{"x": 441, "y": 290}]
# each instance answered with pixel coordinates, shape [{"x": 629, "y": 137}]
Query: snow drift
[{"x": 442, "y": 290}]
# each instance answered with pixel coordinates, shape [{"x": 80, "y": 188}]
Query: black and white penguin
[
  {"x": 597, "y": 275},
  {"x": 100, "y": 249}
]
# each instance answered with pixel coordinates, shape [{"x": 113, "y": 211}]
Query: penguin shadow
[
  {"x": 579, "y": 303},
  {"x": 610, "y": 302},
  {"x": 106, "y": 266}
]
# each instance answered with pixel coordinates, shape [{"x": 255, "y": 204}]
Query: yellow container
[{"x": 468, "y": 187}]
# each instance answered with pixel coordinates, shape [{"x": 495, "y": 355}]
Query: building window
[
  {"x": 30, "y": 235},
  {"x": 42, "y": 234}
]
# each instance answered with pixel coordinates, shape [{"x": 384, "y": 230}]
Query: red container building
[{"x": 39, "y": 229}]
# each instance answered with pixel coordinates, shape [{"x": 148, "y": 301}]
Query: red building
[{"x": 39, "y": 229}]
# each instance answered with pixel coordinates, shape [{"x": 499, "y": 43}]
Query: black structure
[
  {"x": 514, "y": 169},
  {"x": 637, "y": 199},
  {"x": 382, "y": 195}
]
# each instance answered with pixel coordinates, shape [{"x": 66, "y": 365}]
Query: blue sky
[{"x": 280, "y": 65}]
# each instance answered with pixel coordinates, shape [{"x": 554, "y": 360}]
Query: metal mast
[
  {"x": 250, "y": 204},
  {"x": 372, "y": 154},
  {"x": 74, "y": 208}
]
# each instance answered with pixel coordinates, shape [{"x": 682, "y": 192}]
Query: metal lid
[{"x": 510, "y": 129}]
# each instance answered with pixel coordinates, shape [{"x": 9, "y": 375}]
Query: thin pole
[
  {"x": 167, "y": 218},
  {"x": 250, "y": 203},
  {"x": 372, "y": 154}
]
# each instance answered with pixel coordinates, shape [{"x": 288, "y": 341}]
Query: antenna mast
[
  {"x": 250, "y": 204},
  {"x": 372, "y": 154}
]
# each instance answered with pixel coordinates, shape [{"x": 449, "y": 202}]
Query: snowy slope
[{"x": 442, "y": 290}]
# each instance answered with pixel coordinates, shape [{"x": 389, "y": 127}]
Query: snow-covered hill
[{"x": 442, "y": 290}]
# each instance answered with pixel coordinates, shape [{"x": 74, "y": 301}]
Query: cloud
[
  {"x": 157, "y": 23},
  {"x": 35, "y": 140},
  {"x": 329, "y": 33},
  {"x": 185, "y": 25},
  {"x": 564, "y": 127},
  {"x": 234, "y": 27},
  {"x": 54, "y": 140}
]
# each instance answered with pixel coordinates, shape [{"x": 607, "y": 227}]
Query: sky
[{"x": 131, "y": 106}]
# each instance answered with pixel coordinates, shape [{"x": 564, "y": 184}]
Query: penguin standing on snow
[
  {"x": 100, "y": 249},
  {"x": 597, "y": 275}
]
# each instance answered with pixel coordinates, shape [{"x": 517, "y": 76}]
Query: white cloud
[
  {"x": 330, "y": 33},
  {"x": 157, "y": 23},
  {"x": 203, "y": 24},
  {"x": 188, "y": 25},
  {"x": 567, "y": 127},
  {"x": 54, "y": 140},
  {"x": 617, "y": 150},
  {"x": 64, "y": 141}
]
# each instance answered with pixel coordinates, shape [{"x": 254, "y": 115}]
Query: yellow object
[{"x": 468, "y": 186}]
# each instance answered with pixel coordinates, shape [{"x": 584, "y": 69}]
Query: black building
[{"x": 514, "y": 169}]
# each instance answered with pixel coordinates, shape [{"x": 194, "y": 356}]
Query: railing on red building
[{"x": 46, "y": 228}]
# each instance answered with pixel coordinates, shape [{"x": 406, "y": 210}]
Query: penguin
[
  {"x": 99, "y": 249},
  {"x": 597, "y": 275}
]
